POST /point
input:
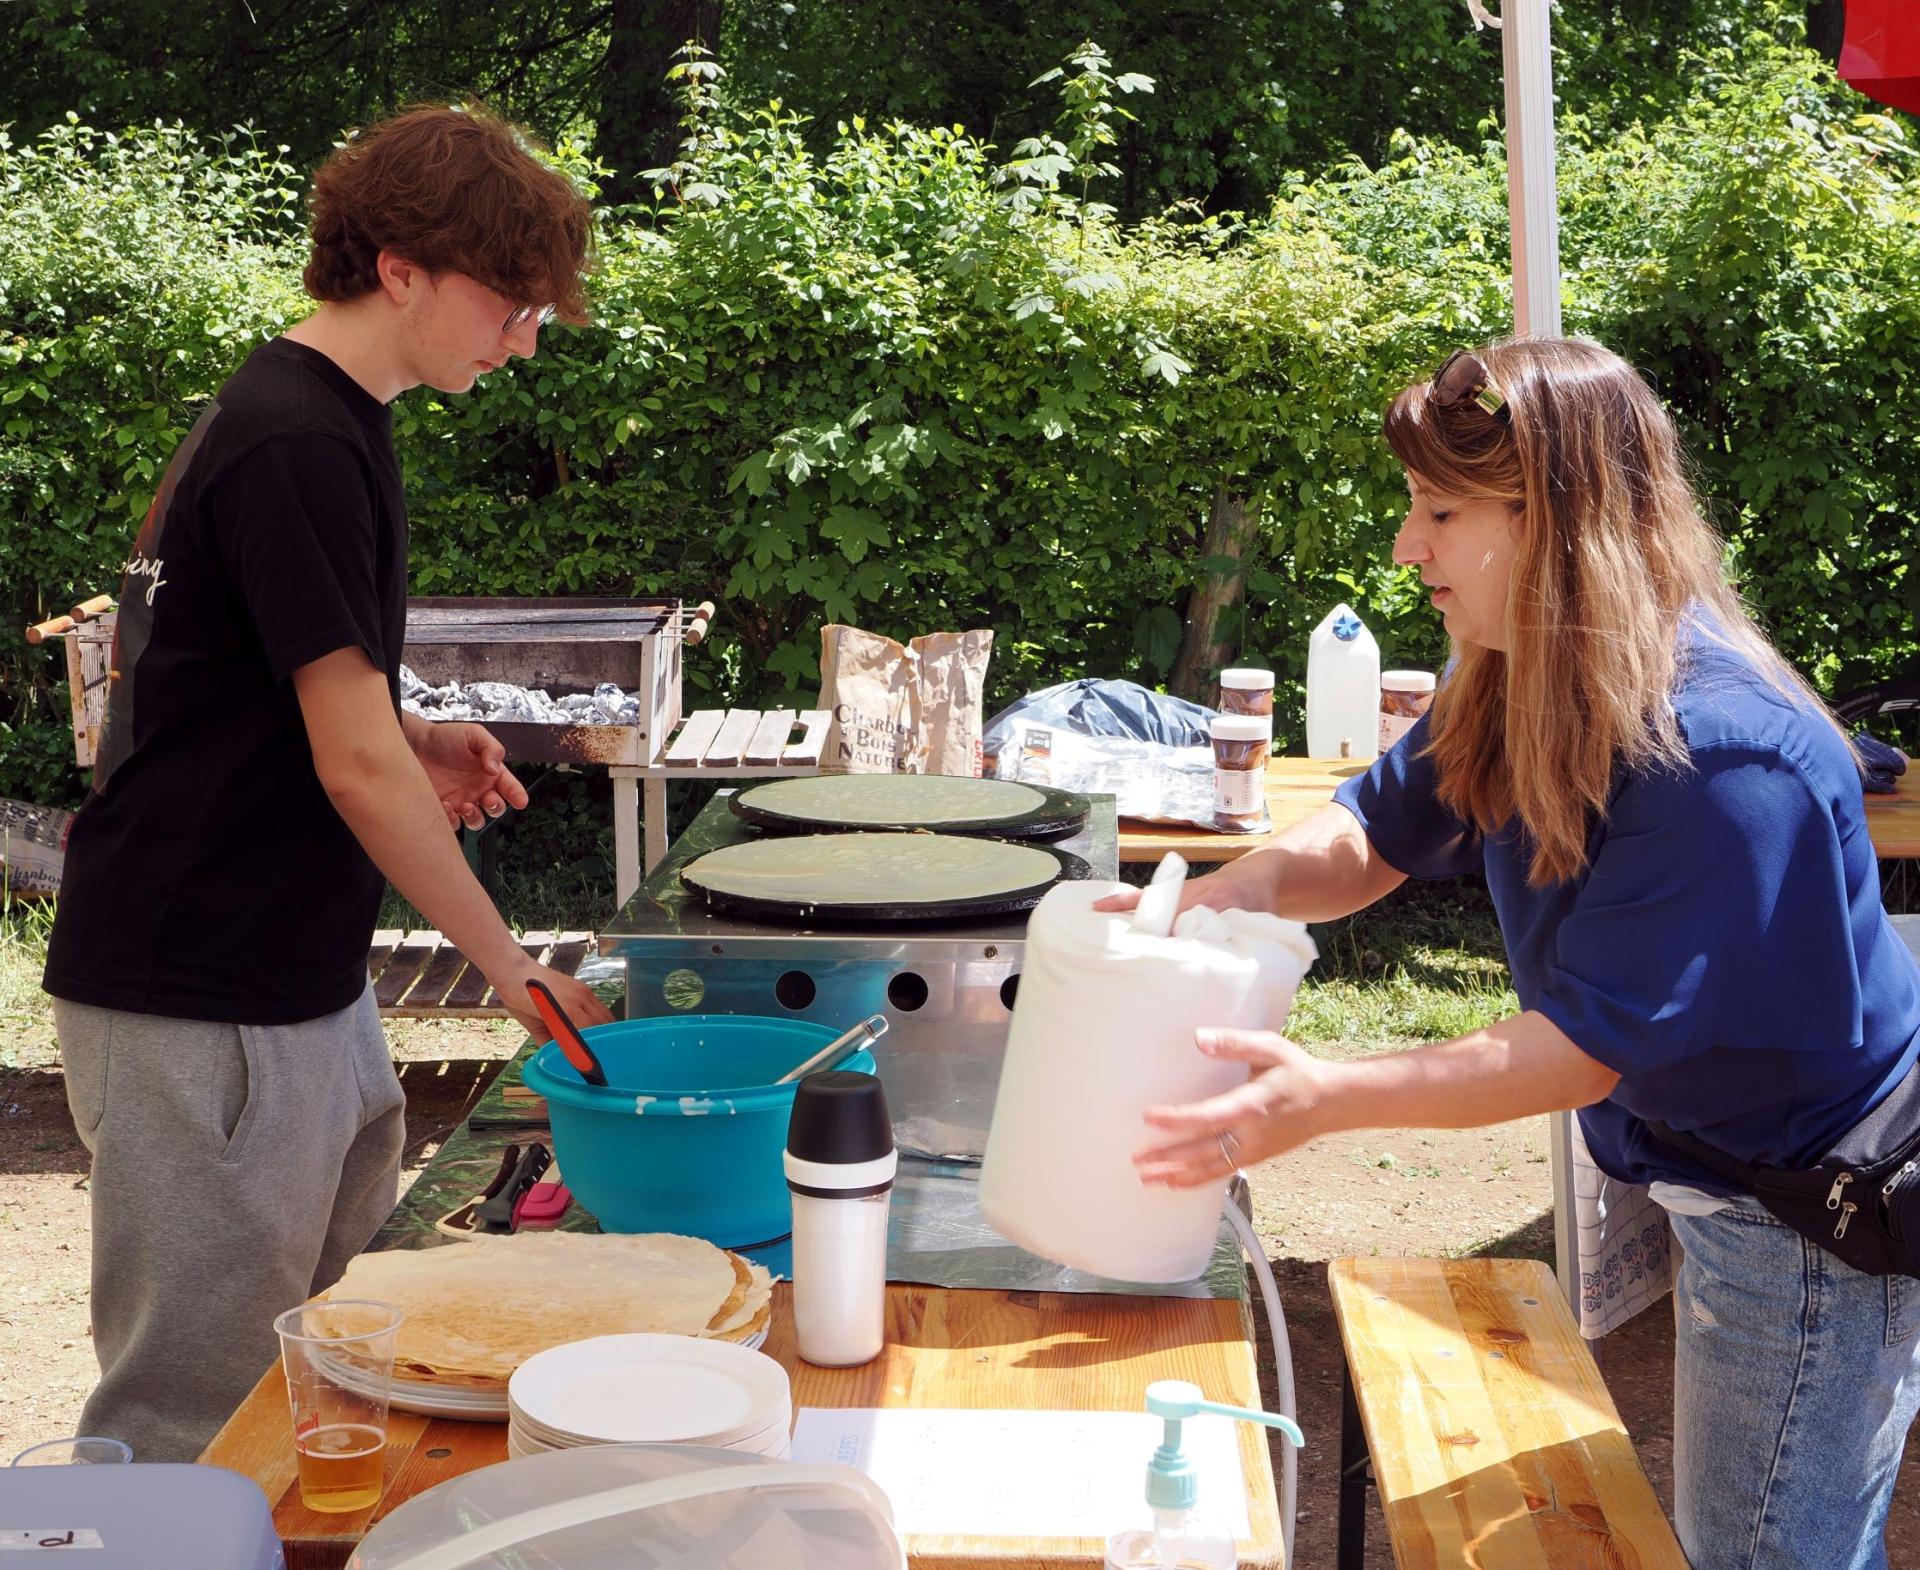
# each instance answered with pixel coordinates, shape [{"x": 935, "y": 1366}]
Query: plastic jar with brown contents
[
  {"x": 1241, "y": 743},
  {"x": 1404, "y": 697},
  {"x": 1244, "y": 691}
]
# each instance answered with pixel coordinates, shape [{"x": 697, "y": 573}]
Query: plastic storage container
[
  {"x": 641, "y": 1507},
  {"x": 1343, "y": 689},
  {"x": 688, "y": 1133},
  {"x": 160, "y": 1516},
  {"x": 1103, "y": 1029}
]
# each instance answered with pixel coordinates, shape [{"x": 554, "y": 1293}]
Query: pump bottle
[{"x": 1182, "y": 1536}]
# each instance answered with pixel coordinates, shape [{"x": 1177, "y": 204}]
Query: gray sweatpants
[{"x": 236, "y": 1170}]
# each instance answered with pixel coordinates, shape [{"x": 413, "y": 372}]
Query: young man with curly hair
[{"x": 258, "y": 784}]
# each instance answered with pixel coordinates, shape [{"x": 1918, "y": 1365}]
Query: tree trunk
[
  {"x": 1232, "y": 527},
  {"x": 639, "y": 121},
  {"x": 1826, "y": 28}
]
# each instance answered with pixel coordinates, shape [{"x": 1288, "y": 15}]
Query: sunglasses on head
[{"x": 1464, "y": 378}]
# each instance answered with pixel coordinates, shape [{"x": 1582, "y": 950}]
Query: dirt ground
[
  {"x": 46, "y": 1357},
  {"x": 1382, "y": 1192}
]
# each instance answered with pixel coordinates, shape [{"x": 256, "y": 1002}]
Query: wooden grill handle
[
  {"x": 86, "y": 610},
  {"x": 702, "y": 615}
]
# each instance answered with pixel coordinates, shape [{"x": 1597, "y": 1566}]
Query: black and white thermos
[{"x": 840, "y": 1163}]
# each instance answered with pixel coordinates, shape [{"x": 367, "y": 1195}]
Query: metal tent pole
[
  {"x": 1533, "y": 210},
  {"x": 1532, "y": 198}
]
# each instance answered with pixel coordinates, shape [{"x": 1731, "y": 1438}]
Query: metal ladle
[{"x": 868, "y": 1030}]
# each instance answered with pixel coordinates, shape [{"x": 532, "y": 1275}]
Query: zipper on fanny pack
[
  {"x": 1888, "y": 1190},
  {"x": 1833, "y": 1194}
]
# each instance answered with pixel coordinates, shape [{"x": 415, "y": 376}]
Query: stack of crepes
[{"x": 476, "y": 1311}]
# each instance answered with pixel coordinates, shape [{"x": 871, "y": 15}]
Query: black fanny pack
[{"x": 1863, "y": 1212}]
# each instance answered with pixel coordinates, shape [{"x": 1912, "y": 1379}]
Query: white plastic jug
[
  {"x": 1103, "y": 1029},
  {"x": 1343, "y": 689}
]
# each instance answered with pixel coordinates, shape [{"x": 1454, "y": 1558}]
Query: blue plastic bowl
[{"x": 698, "y": 1150}]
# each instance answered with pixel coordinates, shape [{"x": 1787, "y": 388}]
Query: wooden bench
[
  {"x": 709, "y": 744},
  {"x": 420, "y": 975},
  {"x": 1482, "y": 1417}
]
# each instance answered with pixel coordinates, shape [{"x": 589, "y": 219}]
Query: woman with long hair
[{"x": 1671, "y": 826}]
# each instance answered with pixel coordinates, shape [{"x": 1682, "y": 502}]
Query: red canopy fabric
[{"x": 1881, "y": 53}]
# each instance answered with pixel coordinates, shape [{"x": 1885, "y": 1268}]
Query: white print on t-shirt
[{"x": 139, "y": 566}]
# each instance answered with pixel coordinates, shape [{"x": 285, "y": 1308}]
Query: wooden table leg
[
  {"x": 1350, "y": 1540},
  {"x": 626, "y": 837},
  {"x": 654, "y": 821}
]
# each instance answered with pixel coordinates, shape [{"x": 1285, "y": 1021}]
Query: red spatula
[{"x": 572, "y": 1044}]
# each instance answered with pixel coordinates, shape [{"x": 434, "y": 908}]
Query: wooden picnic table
[
  {"x": 1052, "y": 1351},
  {"x": 1299, "y": 787}
]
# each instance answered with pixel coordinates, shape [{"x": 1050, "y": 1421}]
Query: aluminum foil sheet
[
  {"x": 607, "y": 704},
  {"x": 936, "y": 1235},
  {"x": 1149, "y": 781}
]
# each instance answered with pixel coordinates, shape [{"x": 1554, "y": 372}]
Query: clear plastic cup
[
  {"x": 87, "y": 1450},
  {"x": 339, "y": 1365}
]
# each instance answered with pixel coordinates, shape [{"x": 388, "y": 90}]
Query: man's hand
[
  {"x": 469, "y": 772},
  {"x": 1205, "y": 1141},
  {"x": 578, "y": 1001}
]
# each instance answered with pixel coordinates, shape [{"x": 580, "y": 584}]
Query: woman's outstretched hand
[
  {"x": 1279, "y": 1108},
  {"x": 1235, "y": 886}
]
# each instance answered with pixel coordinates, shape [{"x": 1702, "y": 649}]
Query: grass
[
  {"x": 573, "y": 897},
  {"x": 26, "y": 1015},
  {"x": 1423, "y": 965}
]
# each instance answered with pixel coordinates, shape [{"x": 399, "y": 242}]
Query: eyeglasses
[
  {"x": 1464, "y": 377},
  {"x": 539, "y": 315}
]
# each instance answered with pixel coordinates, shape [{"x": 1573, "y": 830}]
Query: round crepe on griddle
[
  {"x": 872, "y": 869},
  {"x": 475, "y": 1311},
  {"x": 866, "y": 799}
]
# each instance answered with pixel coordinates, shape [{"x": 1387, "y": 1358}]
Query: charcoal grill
[{"x": 565, "y": 646}]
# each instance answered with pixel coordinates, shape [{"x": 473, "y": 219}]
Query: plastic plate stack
[{"x": 649, "y": 1389}]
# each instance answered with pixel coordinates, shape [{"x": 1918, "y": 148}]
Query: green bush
[
  {"x": 913, "y": 383},
  {"x": 135, "y": 271}
]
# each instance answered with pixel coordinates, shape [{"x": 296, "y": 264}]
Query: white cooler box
[{"x": 139, "y": 1517}]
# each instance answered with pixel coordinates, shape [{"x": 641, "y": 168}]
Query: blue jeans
[{"x": 1795, "y": 1380}]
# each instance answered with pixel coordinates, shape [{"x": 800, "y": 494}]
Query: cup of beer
[{"x": 339, "y": 1364}]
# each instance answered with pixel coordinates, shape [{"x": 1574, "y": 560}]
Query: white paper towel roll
[{"x": 1103, "y": 1029}]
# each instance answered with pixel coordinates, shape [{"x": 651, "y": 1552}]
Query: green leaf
[
  {"x": 1156, "y": 636},
  {"x": 1166, "y": 364},
  {"x": 854, "y": 530}
]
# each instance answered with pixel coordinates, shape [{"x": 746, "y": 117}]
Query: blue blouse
[{"x": 1725, "y": 952}]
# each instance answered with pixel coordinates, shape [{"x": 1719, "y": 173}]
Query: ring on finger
[{"x": 1229, "y": 1144}]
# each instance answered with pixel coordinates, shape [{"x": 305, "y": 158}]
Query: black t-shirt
[{"x": 208, "y": 876}]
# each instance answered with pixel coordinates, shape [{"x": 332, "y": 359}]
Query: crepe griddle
[
  {"x": 799, "y": 910},
  {"x": 1054, "y": 814}
]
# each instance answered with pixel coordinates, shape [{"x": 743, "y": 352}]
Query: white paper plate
[
  {"x": 780, "y": 1448},
  {"x": 461, "y": 1401},
  {"x": 536, "y": 1434},
  {"x": 779, "y": 1421},
  {"x": 478, "y": 1406},
  {"x": 475, "y": 1406},
  {"x": 642, "y": 1388}
]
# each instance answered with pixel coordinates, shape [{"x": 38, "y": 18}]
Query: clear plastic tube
[{"x": 1282, "y": 1367}]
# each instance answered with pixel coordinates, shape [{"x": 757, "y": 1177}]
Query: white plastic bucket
[{"x": 1102, "y": 1029}]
